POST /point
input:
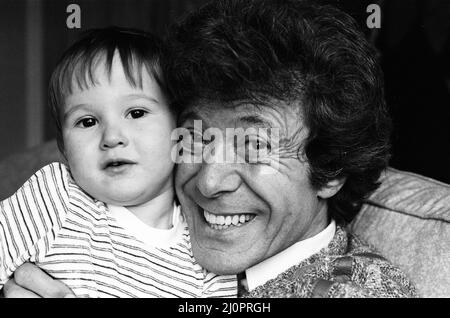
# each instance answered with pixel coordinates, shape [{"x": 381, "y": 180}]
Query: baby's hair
[{"x": 76, "y": 68}]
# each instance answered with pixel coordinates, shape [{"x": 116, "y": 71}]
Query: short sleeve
[{"x": 31, "y": 217}]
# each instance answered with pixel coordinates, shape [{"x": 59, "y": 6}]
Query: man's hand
[{"x": 31, "y": 282}]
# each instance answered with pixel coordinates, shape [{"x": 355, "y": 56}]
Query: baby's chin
[
  {"x": 122, "y": 198},
  {"x": 124, "y": 193}
]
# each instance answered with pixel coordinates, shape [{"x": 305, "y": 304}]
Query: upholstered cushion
[{"x": 408, "y": 220}]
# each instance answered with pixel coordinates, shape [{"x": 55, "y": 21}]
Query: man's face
[{"x": 242, "y": 213}]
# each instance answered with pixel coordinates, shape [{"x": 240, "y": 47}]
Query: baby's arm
[{"x": 31, "y": 217}]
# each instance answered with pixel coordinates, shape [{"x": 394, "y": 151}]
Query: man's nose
[
  {"x": 113, "y": 136},
  {"x": 215, "y": 179}
]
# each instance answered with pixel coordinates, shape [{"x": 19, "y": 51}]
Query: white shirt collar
[
  {"x": 149, "y": 235},
  {"x": 270, "y": 268}
]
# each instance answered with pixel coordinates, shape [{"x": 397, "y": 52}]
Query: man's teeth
[{"x": 224, "y": 221}]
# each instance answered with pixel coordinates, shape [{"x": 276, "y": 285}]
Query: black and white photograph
[{"x": 224, "y": 149}]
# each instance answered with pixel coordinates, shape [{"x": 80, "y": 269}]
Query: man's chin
[
  {"x": 220, "y": 262},
  {"x": 222, "y": 267}
]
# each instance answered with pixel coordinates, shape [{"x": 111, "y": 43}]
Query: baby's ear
[{"x": 331, "y": 188}]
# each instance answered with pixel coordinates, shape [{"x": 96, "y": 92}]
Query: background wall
[
  {"x": 12, "y": 77},
  {"x": 413, "y": 43}
]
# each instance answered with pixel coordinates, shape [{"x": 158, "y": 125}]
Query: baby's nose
[{"x": 113, "y": 137}]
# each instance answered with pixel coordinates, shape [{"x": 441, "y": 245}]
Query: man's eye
[
  {"x": 86, "y": 122},
  {"x": 197, "y": 136},
  {"x": 263, "y": 145},
  {"x": 137, "y": 113},
  {"x": 256, "y": 149},
  {"x": 258, "y": 144}
]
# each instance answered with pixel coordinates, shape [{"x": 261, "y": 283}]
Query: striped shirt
[{"x": 89, "y": 246}]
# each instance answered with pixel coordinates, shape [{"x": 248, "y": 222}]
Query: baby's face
[{"x": 117, "y": 138}]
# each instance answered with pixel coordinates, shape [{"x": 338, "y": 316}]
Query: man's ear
[{"x": 331, "y": 188}]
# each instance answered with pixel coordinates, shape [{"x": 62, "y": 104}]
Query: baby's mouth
[
  {"x": 225, "y": 221},
  {"x": 117, "y": 163}
]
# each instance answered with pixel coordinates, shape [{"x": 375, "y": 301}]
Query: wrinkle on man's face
[{"x": 292, "y": 130}]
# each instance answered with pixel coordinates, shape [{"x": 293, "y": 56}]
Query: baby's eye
[
  {"x": 137, "y": 113},
  {"x": 86, "y": 122}
]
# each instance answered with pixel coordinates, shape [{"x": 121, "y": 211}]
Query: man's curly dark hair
[{"x": 292, "y": 50}]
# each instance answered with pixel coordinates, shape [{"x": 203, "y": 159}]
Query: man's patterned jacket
[{"x": 346, "y": 268}]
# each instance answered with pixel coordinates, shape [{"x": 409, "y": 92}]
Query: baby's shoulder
[{"x": 49, "y": 181}]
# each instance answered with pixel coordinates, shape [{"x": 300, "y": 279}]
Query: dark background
[{"x": 413, "y": 43}]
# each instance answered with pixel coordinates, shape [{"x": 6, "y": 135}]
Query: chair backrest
[
  {"x": 17, "y": 168},
  {"x": 408, "y": 220}
]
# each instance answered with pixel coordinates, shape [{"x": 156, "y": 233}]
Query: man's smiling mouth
[{"x": 222, "y": 222}]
